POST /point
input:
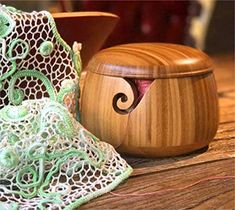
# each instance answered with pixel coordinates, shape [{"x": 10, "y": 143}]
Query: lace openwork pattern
[
  {"x": 47, "y": 159},
  {"x": 34, "y": 59}
]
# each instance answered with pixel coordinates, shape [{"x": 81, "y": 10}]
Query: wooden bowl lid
[{"x": 150, "y": 60}]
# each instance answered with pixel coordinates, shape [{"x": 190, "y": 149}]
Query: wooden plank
[
  {"x": 202, "y": 196},
  {"x": 223, "y": 201},
  {"x": 218, "y": 150}
]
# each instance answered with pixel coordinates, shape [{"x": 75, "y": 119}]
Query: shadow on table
[{"x": 139, "y": 162}]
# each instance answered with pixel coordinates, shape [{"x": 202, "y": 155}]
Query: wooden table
[{"x": 218, "y": 160}]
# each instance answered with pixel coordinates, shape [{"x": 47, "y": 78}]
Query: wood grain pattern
[
  {"x": 177, "y": 115},
  {"x": 150, "y": 60},
  {"x": 97, "y": 112},
  {"x": 211, "y": 195},
  {"x": 156, "y": 173}
]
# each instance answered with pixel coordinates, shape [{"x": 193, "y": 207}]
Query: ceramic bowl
[{"x": 89, "y": 28}]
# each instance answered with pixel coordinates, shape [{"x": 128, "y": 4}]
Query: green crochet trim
[
  {"x": 56, "y": 33},
  {"x": 37, "y": 152},
  {"x": 14, "y": 113},
  {"x": 13, "y": 44},
  {"x": 32, "y": 160},
  {"x": 13, "y": 9},
  {"x": 45, "y": 201},
  {"x": 65, "y": 126},
  {"x": 10, "y": 57},
  {"x": 12, "y": 138},
  {"x": 8, "y": 158},
  {"x": 75, "y": 57},
  {"x": 7, "y": 24},
  {"x": 77, "y": 63},
  {"x": 46, "y": 48},
  {"x": 67, "y": 86},
  {"x": 16, "y": 96},
  {"x": 44, "y": 152}
]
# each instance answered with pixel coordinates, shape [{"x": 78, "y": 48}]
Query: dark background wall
[
  {"x": 219, "y": 39},
  {"x": 220, "y": 36}
]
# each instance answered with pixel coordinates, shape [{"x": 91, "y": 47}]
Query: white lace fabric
[{"x": 47, "y": 159}]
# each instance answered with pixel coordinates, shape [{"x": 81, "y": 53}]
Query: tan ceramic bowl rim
[{"x": 81, "y": 13}]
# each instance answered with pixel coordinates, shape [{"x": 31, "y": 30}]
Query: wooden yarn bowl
[
  {"x": 89, "y": 28},
  {"x": 177, "y": 114}
]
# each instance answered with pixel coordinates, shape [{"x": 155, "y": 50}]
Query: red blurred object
[{"x": 143, "y": 21}]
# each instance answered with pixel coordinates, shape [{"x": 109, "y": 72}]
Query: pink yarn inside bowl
[{"x": 142, "y": 86}]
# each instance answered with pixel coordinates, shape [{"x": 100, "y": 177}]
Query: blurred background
[{"x": 205, "y": 24}]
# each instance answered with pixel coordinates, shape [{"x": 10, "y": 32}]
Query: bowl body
[
  {"x": 175, "y": 116},
  {"x": 173, "y": 112}
]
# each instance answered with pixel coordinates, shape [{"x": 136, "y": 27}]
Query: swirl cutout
[{"x": 123, "y": 98}]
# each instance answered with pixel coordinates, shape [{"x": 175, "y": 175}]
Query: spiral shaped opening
[{"x": 139, "y": 88}]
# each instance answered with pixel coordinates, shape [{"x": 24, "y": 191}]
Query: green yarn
[
  {"x": 36, "y": 151},
  {"x": 16, "y": 96},
  {"x": 46, "y": 48},
  {"x": 31, "y": 157},
  {"x": 67, "y": 86},
  {"x": 45, "y": 201},
  {"x": 77, "y": 60},
  {"x": 13, "y": 9},
  {"x": 74, "y": 55},
  {"x": 14, "y": 51},
  {"x": 12, "y": 59},
  {"x": 8, "y": 74},
  {"x": 7, "y": 24},
  {"x": 13, "y": 138},
  {"x": 65, "y": 126},
  {"x": 56, "y": 33},
  {"x": 8, "y": 158},
  {"x": 13, "y": 44},
  {"x": 14, "y": 113},
  {"x": 47, "y": 159}
]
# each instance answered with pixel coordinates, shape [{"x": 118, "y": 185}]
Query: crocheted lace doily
[
  {"x": 35, "y": 61},
  {"x": 47, "y": 159}
]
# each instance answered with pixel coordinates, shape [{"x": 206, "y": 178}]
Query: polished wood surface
[
  {"x": 150, "y": 60},
  {"x": 176, "y": 115},
  {"x": 99, "y": 114},
  {"x": 89, "y": 28},
  {"x": 160, "y": 173}
]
